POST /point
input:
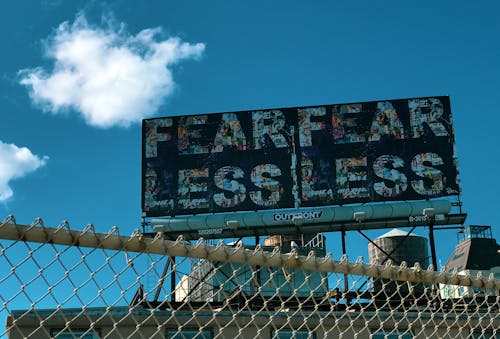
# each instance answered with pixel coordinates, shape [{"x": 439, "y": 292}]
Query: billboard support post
[
  {"x": 430, "y": 214},
  {"x": 433, "y": 245},
  {"x": 172, "y": 278},
  {"x": 259, "y": 278},
  {"x": 161, "y": 280},
  {"x": 344, "y": 253}
]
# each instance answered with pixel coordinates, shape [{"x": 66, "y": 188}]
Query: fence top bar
[{"x": 62, "y": 235}]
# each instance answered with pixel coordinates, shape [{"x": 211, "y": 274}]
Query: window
[
  {"x": 391, "y": 335},
  {"x": 71, "y": 334},
  {"x": 293, "y": 334},
  {"x": 190, "y": 333}
]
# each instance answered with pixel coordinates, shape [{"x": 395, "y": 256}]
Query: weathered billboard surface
[{"x": 302, "y": 156}]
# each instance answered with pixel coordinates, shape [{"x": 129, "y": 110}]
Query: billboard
[{"x": 385, "y": 150}]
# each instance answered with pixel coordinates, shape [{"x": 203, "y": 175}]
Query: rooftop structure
[{"x": 476, "y": 250}]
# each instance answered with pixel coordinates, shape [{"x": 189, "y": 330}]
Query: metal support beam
[
  {"x": 258, "y": 268},
  {"x": 344, "y": 252},
  {"x": 448, "y": 228},
  {"x": 172, "y": 278},
  {"x": 138, "y": 297},
  {"x": 161, "y": 281},
  {"x": 433, "y": 245}
]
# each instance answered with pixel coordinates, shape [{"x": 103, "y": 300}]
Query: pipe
[{"x": 308, "y": 216}]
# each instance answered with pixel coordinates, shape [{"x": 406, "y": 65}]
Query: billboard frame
[{"x": 298, "y": 174}]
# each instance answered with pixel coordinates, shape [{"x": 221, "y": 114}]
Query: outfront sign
[{"x": 303, "y": 156}]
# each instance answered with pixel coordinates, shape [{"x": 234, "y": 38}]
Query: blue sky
[{"x": 84, "y": 158}]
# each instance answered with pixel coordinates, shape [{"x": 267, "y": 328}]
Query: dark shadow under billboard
[{"x": 302, "y": 156}]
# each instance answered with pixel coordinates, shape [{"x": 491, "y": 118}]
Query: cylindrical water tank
[{"x": 403, "y": 246}]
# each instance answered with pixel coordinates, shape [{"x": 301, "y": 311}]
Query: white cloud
[
  {"x": 16, "y": 162},
  {"x": 107, "y": 75}
]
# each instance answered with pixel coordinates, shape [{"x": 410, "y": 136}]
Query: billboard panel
[{"x": 299, "y": 157}]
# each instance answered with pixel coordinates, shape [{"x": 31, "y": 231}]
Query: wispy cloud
[
  {"x": 16, "y": 162},
  {"x": 106, "y": 74}
]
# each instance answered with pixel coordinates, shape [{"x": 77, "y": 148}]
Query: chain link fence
[{"x": 62, "y": 283}]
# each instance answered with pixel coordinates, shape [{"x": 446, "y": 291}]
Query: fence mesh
[{"x": 61, "y": 283}]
